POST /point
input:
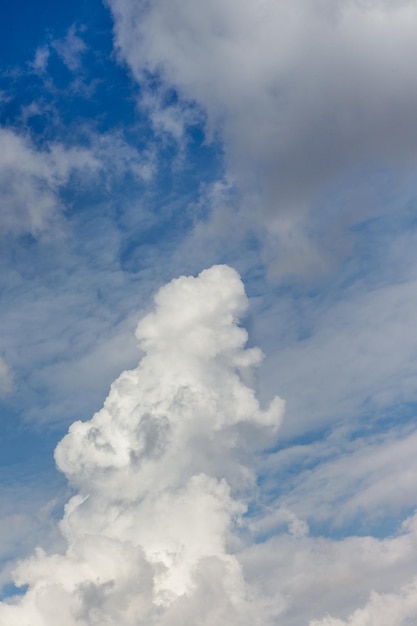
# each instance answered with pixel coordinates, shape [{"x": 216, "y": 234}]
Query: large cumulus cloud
[
  {"x": 167, "y": 527},
  {"x": 163, "y": 474}
]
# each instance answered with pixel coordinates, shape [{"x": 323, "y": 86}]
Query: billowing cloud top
[{"x": 162, "y": 473}]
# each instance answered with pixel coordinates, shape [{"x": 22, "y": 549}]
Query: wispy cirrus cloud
[
  {"x": 71, "y": 48},
  {"x": 30, "y": 180}
]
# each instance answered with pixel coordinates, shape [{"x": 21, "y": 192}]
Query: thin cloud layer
[
  {"x": 30, "y": 180},
  {"x": 359, "y": 353},
  {"x": 382, "y": 610},
  {"x": 6, "y": 378},
  {"x": 327, "y": 582},
  {"x": 162, "y": 473}
]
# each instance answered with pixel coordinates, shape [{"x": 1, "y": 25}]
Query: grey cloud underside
[{"x": 306, "y": 97}]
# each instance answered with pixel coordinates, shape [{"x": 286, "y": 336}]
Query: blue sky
[{"x": 143, "y": 141}]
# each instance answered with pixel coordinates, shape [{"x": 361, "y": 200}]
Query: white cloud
[
  {"x": 382, "y": 610},
  {"x": 71, "y": 49},
  {"x": 336, "y": 358},
  {"x": 118, "y": 158},
  {"x": 305, "y": 96},
  {"x": 162, "y": 473},
  {"x": 341, "y": 483},
  {"x": 30, "y": 180},
  {"x": 301, "y": 94},
  {"x": 6, "y": 378},
  {"x": 29, "y": 506},
  {"x": 303, "y": 579},
  {"x": 40, "y": 62}
]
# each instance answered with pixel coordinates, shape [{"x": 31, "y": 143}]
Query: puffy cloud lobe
[{"x": 162, "y": 473}]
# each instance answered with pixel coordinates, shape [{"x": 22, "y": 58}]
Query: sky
[{"x": 208, "y": 356}]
